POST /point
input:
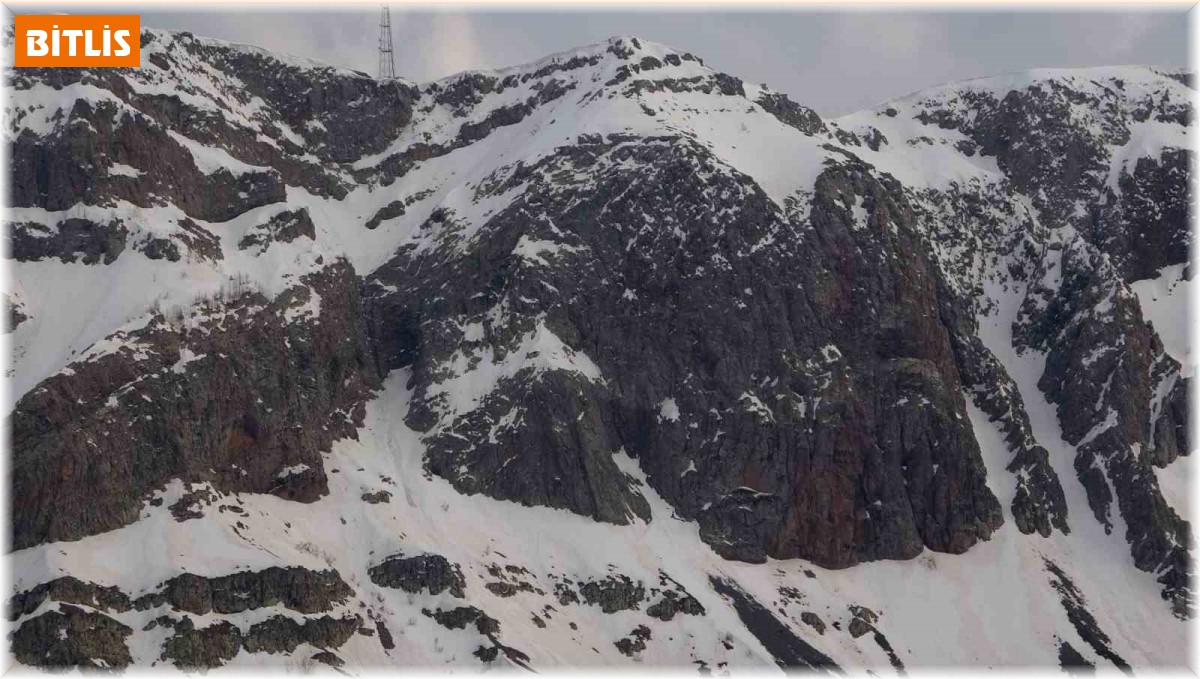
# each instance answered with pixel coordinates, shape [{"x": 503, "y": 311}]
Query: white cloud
[
  {"x": 453, "y": 45},
  {"x": 834, "y": 61}
]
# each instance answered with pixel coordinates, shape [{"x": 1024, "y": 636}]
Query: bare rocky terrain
[{"x": 608, "y": 358}]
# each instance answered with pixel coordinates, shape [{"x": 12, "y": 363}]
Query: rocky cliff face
[
  {"x": 423, "y": 362},
  {"x": 237, "y": 394},
  {"x": 845, "y": 441}
]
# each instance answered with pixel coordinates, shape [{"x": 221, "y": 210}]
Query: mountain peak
[
  {"x": 1127, "y": 81},
  {"x": 613, "y": 53}
]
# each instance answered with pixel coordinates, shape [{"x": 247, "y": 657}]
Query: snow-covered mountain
[{"x": 609, "y": 358}]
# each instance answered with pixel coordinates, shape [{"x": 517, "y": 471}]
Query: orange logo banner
[{"x": 78, "y": 40}]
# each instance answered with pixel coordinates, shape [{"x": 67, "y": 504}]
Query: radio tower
[{"x": 387, "y": 62}]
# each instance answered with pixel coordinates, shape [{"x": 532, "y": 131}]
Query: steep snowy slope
[
  {"x": 607, "y": 358},
  {"x": 1082, "y": 147}
]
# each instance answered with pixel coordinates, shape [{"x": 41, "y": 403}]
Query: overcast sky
[{"x": 834, "y": 61}]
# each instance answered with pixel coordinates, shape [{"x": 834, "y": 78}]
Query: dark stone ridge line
[
  {"x": 293, "y": 587},
  {"x": 209, "y": 647},
  {"x": 1081, "y": 618},
  {"x": 1039, "y": 504},
  {"x": 1072, "y": 662},
  {"x": 789, "y": 650},
  {"x": 298, "y": 589},
  {"x": 71, "y": 590},
  {"x": 68, "y": 636},
  {"x": 887, "y": 648},
  {"x": 1105, "y": 371}
]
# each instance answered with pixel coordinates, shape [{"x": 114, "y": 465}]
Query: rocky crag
[{"x": 313, "y": 368}]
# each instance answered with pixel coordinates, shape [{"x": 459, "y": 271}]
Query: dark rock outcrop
[
  {"x": 1062, "y": 163},
  {"x": 1115, "y": 388},
  {"x": 1081, "y": 618},
  {"x": 1072, "y": 662},
  {"x": 390, "y": 211},
  {"x": 377, "y": 497},
  {"x": 298, "y": 589},
  {"x": 814, "y": 621},
  {"x": 69, "y": 241},
  {"x": 329, "y": 658},
  {"x": 191, "y": 647},
  {"x": 115, "y": 427},
  {"x": 336, "y": 116},
  {"x": 863, "y": 621},
  {"x": 1144, "y": 225},
  {"x": 459, "y": 618},
  {"x": 58, "y": 171},
  {"x": 790, "y": 455},
  {"x": 487, "y": 626},
  {"x": 72, "y": 637},
  {"x": 789, "y": 650},
  {"x": 672, "y": 604},
  {"x": 71, "y": 590},
  {"x": 282, "y": 634},
  {"x": 283, "y": 227},
  {"x": 189, "y": 239},
  {"x": 624, "y": 313},
  {"x": 790, "y": 113},
  {"x": 613, "y": 593},
  {"x": 425, "y": 572},
  {"x": 634, "y": 643},
  {"x": 13, "y": 312}
]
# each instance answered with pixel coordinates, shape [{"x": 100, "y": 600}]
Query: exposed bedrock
[
  {"x": 1121, "y": 400},
  {"x": 790, "y": 385},
  {"x": 224, "y": 393},
  {"x": 55, "y": 632}
]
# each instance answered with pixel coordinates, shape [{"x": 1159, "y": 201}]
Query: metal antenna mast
[{"x": 387, "y": 62}]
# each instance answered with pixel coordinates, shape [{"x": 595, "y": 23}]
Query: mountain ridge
[{"x": 614, "y": 294}]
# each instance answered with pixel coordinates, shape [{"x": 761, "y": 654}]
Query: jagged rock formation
[
  {"x": 430, "y": 572},
  {"x": 424, "y": 361},
  {"x": 696, "y": 341},
  {"x": 295, "y": 588},
  {"x": 72, "y": 637},
  {"x": 96, "y": 442}
]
